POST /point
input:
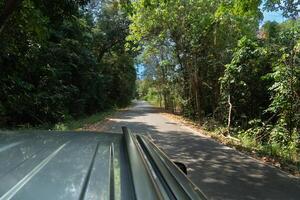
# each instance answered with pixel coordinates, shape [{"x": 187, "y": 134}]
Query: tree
[
  {"x": 55, "y": 65},
  {"x": 244, "y": 81},
  {"x": 199, "y": 36},
  {"x": 286, "y": 75}
]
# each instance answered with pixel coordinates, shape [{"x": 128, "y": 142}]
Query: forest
[
  {"x": 62, "y": 59},
  {"x": 212, "y": 61},
  {"x": 218, "y": 64}
]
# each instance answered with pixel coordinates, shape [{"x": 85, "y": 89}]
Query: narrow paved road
[{"x": 220, "y": 172}]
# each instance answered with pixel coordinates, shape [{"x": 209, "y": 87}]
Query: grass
[
  {"x": 287, "y": 159},
  {"x": 68, "y": 125},
  {"x": 78, "y": 124},
  {"x": 284, "y": 157}
]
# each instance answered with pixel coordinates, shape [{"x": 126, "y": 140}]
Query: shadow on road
[{"x": 219, "y": 171}]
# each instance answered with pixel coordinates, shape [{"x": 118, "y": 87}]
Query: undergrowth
[
  {"x": 80, "y": 123},
  {"x": 273, "y": 148}
]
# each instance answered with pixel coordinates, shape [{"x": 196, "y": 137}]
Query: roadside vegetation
[
  {"x": 273, "y": 155},
  {"x": 62, "y": 61},
  {"x": 214, "y": 62},
  {"x": 68, "y": 63},
  {"x": 81, "y": 123},
  {"x": 70, "y": 124}
]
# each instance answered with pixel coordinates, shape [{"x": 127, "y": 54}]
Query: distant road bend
[{"x": 220, "y": 172}]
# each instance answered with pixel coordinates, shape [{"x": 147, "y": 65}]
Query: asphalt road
[{"x": 219, "y": 171}]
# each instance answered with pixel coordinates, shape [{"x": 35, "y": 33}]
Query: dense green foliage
[
  {"x": 62, "y": 59},
  {"x": 212, "y": 60},
  {"x": 207, "y": 59},
  {"x": 244, "y": 80}
]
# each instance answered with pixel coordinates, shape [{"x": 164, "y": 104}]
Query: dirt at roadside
[
  {"x": 235, "y": 144},
  {"x": 103, "y": 124}
]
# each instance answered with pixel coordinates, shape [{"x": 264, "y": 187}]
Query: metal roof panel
[{"x": 87, "y": 165}]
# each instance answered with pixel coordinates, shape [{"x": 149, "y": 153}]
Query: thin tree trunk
[
  {"x": 229, "y": 116},
  {"x": 165, "y": 100},
  {"x": 159, "y": 97}
]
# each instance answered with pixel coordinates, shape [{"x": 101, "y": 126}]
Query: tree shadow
[{"x": 219, "y": 171}]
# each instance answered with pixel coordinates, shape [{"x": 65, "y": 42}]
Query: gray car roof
[{"x": 88, "y": 165}]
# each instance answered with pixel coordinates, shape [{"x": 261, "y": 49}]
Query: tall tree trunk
[
  {"x": 198, "y": 101},
  {"x": 165, "y": 100},
  {"x": 159, "y": 99}
]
